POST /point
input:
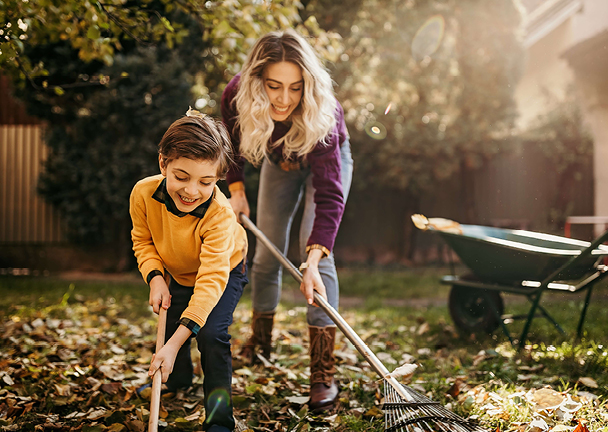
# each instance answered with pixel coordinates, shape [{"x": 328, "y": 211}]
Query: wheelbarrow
[{"x": 518, "y": 262}]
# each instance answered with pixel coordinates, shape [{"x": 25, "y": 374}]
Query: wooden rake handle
[{"x": 157, "y": 380}]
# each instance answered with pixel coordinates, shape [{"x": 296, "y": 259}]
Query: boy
[{"x": 184, "y": 227}]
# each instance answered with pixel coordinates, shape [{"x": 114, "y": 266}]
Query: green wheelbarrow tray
[
  {"x": 518, "y": 262},
  {"x": 511, "y": 256}
]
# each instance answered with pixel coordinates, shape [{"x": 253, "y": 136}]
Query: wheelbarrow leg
[
  {"x": 579, "y": 328},
  {"x": 531, "y": 313},
  {"x": 504, "y": 328}
]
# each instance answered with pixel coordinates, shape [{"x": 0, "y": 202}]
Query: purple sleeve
[
  {"x": 325, "y": 164},
  {"x": 229, "y": 116}
]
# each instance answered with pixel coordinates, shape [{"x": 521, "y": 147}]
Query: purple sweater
[{"x": 324, "y": 161}]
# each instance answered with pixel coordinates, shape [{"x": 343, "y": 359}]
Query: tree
[
  {"x": 109, "y": 77},
  {"x": 427, "y": 88}
]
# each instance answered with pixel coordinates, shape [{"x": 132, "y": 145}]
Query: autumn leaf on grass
[
  {"x": 545, "y": 399},
  {"x": 404, "y": 372},
  {"x": 581, "y": 427},
  {"x": 298, "y": 400},
  {"x": 458, "y": 387},
  {"x": 588, "y": 382}
]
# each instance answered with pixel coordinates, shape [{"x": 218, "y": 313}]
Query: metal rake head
[{"x": 420, "y": 414}]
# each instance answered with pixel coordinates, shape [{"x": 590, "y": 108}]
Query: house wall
[
  {"x": 591, "y": 79},
  {"x": 591, "y": 70},
  {"x": 586, "y": 68},
  {"x": 591, "y": 20}
]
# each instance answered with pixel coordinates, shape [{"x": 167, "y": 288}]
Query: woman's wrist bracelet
[{"x": 318, "y": 246}]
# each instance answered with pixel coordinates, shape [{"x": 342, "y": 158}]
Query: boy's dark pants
[{"x": 214, "y": 345}]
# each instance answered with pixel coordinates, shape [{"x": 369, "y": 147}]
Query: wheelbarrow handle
[
  {"x": 157, "y": 380},
  {"x": 344, "y": 327}
]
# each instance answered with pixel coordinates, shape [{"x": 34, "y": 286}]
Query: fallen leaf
[
  {"x": 299, "y": 400},
  {"x": 538, "y": 425},
  {"x": 424, "y": 328},
  {"x": 588, "y": 382},
  {"x": 528, "y": 377},
  {"x": 581, "y": 427},
  {"x": 135, "y": 425},
  {"x": 63, "y": 389},
  {"x": 586, "y": 395},
  {"x": 96, "y": 414},
  {"x": 546, "y": 399},
  {"x": 374, "y": 412},
  {"x": 458, "y": 387},
  {"x": 112, "y": 388},
  {"x": 570, "y": 406},
  {"x": 404, "y": 371}
]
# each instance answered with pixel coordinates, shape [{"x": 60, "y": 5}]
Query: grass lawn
[{"x": 73, "y": 350}]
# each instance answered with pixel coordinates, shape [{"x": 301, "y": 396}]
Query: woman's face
[
  {"x": 283, "y": 83},
  {"x": 189, "y": 183}
]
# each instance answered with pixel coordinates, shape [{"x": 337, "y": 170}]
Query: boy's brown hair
[{"x": 198, "y": 137}]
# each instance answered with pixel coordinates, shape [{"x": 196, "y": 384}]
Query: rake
[{"x": 405, "y": 410}]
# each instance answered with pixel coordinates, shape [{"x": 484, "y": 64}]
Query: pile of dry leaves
[{"x": 76, "y": 368}]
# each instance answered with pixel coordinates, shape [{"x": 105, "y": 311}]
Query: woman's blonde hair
[{"x": 314, "y": 118}]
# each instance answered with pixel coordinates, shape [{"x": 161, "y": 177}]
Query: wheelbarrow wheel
[{"x": 474, "y": 311}]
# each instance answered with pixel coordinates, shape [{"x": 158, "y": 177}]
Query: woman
[{"x": 282, "y": 113}]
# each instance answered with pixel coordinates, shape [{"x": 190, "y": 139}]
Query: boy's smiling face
[{"x": 189, "y": 182}]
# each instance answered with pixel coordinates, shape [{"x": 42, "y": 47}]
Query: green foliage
[
  {"x": 103, "y": 139},
  {"x": 428, "y": 87},
  {"x": 110, "y": 77},
  {"x": 95, "y": 30}
]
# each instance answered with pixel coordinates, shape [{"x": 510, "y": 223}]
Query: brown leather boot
[
  {"x": 261, "y": 325},
  {"x": 323, "y": 387}
]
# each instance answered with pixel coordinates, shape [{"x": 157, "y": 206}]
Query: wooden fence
[
  {"x": 24, "y": 216},
  {"x": 513, "y": 190}
]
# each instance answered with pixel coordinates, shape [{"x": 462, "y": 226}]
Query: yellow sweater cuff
[{"x": 236, "y": 186}]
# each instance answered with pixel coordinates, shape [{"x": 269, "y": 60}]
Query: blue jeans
[
  {"x": 279, "y": 196},
  {"x": 213, "y": 343}
]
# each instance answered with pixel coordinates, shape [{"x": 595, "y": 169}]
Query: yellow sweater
[{"x": 198, "y": 252}]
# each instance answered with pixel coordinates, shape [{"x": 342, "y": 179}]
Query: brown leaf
[
  {"x": 262, "y": 380},
  {"x": 94, "y": 383},
  {"x": 458, "y": 387},
  {"x": 374, "y": 412},
  {"x": 588, "y": 382},
  {"x": 63, "y": 389},
  {"x": 547, "y": 399},
  {"x": 135, "y": 425},
  {"x": 581, "y": 427},
  {"x": 112, "y": 388},
  {"x": 96, "y": 414},
  {"x": 163, "y": 413}
]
